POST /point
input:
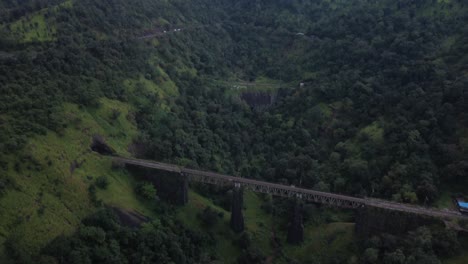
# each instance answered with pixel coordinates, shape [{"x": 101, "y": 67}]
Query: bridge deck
[{"x": 291, "y": 191}]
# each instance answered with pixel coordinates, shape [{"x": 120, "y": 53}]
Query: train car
[{"x": 462, "y": 205}]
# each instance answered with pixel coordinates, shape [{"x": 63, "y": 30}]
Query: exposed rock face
[
  {"x": 130, "y": 218},
  {"x": 237, "y": 218},
  {"x": 75, "y": 165},
  {"x": 99, "y": 145},
  {"x": 258, "y": 99},
  {"x": 296, "y": 227}
]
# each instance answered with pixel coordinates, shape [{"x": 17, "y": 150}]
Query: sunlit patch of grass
[
  {"x": 165, "y": 87},
  {"x": 67, "y": 4},
  {"x": 224, "y": 247},
  {"x": 374, "y": 132},
  {"x": 116, "y": 120},
  {"x": 34, "y": 27},
  {"x": 121, "y": 192},
  {"x": 50, "y": 198},
  {"x": 258, "y": 223},
  {"x": 324, "y": 242},
  {"x": 37, "y": 26}
]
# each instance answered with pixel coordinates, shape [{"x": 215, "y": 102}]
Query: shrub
[
  {"x": 41, "y": 210},
  {"x": 115, "y": 114},
  {"x": 210, "y": 216},
  {"x": 146, "y": 190},
  {"x": 102, "y": 182},
  {"x": 93, "y": 196}
]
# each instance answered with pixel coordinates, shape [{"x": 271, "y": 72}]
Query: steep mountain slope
[{"x": 380, "y": 112}]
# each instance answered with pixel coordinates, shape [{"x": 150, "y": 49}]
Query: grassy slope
[
  {"x": 48, "y": 199},
  {"x": 35, "y": 26},
  {"x": 257, "y": 222},
  {"x": 224, "y": 248},
  {"x": 463, "y": 257},
  {"x": 165, "y": 89},
  {"x": 321, "y": 242},
  {"x": 65, "y": 196},
  {"x": 60, "y": 194}
]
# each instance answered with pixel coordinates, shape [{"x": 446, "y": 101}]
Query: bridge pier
[
  {"x": 331, "y": 199},
  {"x": 182, "y": 197},
  {"x": 237, "y": 217},
  {"x": 296, "y": 226}
]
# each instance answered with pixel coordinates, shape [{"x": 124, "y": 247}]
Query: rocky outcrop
[
  {"x": 129, "y": 218},
  {"x": 237, "y": 218},
  {"x": 100, "y": 146},
  {"x": 296, "y": 226},
  {"x": 258, "y": 99},
  {"x": 75, "y": 165}
]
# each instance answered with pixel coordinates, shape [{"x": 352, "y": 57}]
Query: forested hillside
[{"x": 365, "y": 98}]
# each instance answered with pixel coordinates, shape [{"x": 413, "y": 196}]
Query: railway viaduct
[{"x": 326, "y": 198}]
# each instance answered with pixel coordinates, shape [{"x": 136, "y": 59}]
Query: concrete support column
[
  {"x": 296, "y": 226},
  {"x": 182, "y": 193},
  {"x": 237, "y": 218}
]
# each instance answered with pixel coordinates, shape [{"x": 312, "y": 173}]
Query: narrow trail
[{"x": 160, "y": 32}]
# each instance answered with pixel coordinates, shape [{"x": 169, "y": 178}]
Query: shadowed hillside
[{"x": 365, "y": 98}]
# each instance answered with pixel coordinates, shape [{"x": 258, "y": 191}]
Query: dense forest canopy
[{"x": 380, "y": 112}]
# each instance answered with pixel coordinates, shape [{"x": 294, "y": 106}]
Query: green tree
[{"x": 146, "y": 190}]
